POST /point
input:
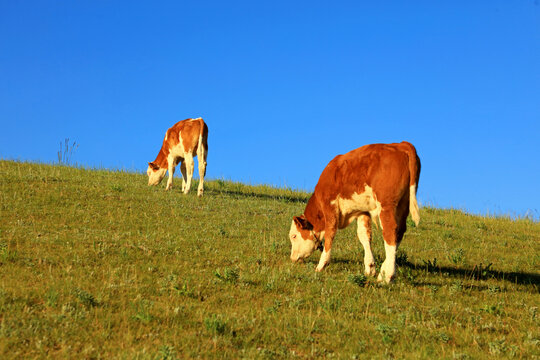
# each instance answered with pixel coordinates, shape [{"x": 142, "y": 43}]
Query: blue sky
[{"x": 284, "y": 86}]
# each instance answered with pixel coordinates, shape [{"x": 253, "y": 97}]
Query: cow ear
[
  {"x": 302, "y": 222},
  {"x": 298, "y": 222},
  {"x": 153, "y": 166}
]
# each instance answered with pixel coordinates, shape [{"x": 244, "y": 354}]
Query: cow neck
[
  {"x": 161, "y": 159},
  {"x": 314, "y": 214}
]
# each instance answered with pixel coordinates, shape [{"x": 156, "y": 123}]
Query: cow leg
[
  {"x": 201, "y": 155},
  {"x": 364, "y": 235},
  {"x": 390, "y": 235},
  {"x": 184, "y": 174},
  {"x": 189, "y": 169},
  {"x": 172, "y": 165},
  {"x": 325, "y": 256},
  {"x": 329, "y": 233},
  {"x": 402, "y": 212}
]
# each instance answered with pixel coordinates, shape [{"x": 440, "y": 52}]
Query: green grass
[{"x": 95, "y": 264}]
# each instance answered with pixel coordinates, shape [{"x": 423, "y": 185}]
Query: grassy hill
[{"x": 96, "y": 264}]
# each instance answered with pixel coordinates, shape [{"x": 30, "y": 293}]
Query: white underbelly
[
  {"x": 177, "y": 151},
  {"x": 358, "y": 204}
]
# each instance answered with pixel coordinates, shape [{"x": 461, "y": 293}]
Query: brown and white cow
[
  {"x": 374, "y": 182},
  {"x": 185, "y": 140}
]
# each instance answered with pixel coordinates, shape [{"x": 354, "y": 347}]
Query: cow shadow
[{"x": 475, "y": 273}]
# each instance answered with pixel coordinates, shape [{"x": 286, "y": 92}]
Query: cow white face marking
[
  {"x": 155, "y": 176},
  {"x": 303, "y": 241}
]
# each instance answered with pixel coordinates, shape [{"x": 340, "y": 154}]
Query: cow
[
  {"x": 376, "y": 182},
  {"x": 183, "y": 141}
]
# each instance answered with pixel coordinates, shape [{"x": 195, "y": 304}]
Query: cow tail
[
  {"x": 202, "y": 147},
  {"x": 414, "y": 170}
]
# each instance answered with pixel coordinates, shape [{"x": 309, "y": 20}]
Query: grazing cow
[
  {"x": 374, "y": 182},
  {"x": 185, "y": 140}
]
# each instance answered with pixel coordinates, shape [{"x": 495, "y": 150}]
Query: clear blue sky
[{"x": 284, "y": 87}]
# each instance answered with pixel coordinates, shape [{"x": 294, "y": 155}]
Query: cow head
[
  {"x": 303, "y": 239},
  {"x": 155, "y": 174}
]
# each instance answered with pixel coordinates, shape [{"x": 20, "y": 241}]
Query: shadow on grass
[
  {"x": 478, "y": 272},
  {"x": 252, "y": 194}
]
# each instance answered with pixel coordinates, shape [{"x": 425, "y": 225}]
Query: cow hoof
[
  {"x": 320, "y": 268},
  {"x": 370, "y": 270},
  {"x": 384, "y": 280}
]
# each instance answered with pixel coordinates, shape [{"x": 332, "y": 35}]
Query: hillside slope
[{"x": 97, "y": 264}]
